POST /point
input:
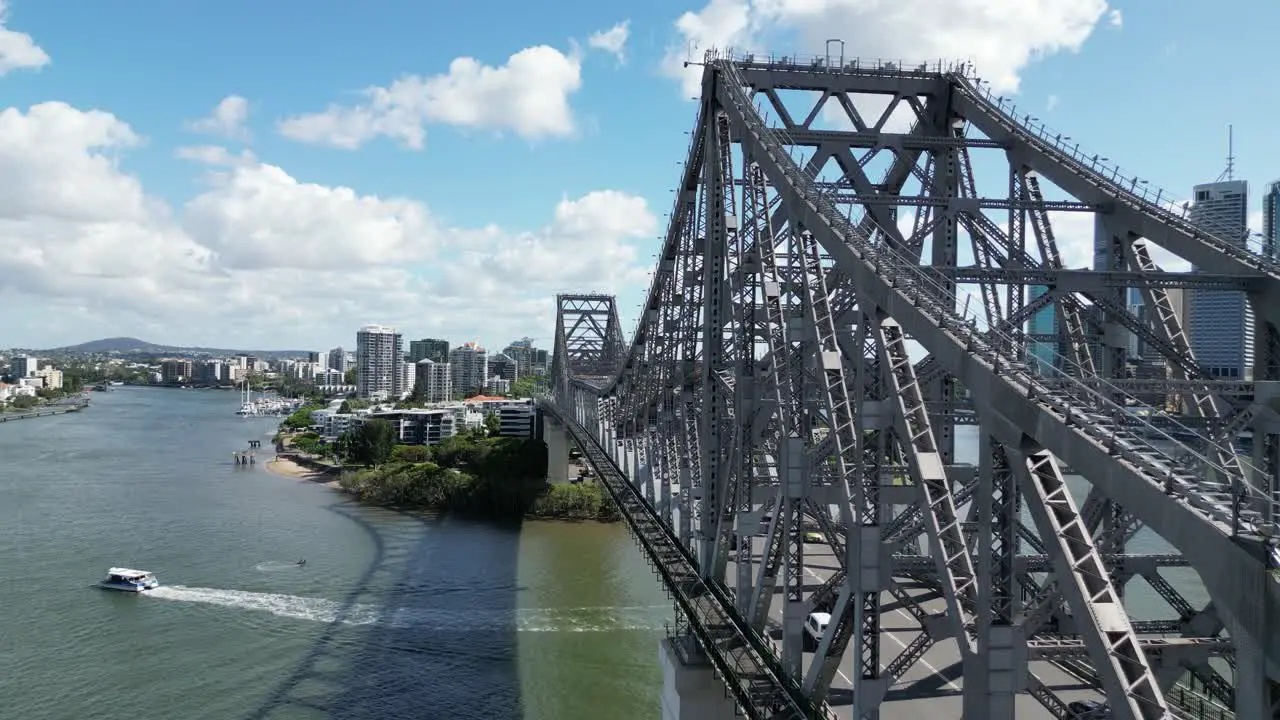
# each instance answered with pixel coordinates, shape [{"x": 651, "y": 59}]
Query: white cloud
[
  {"x": 1001, "y": 37},
  {"x": 1050, "y": 103},
  {"x": 73, "y": 226},
  {"x": 18, "y": 51},
  {"x": 613, "y": 40},
  {"x": 215, "y": 155},
  {"x": 257, "y": 216},
  {"x": 264, "y": 259},
  {"x": 227, "y": 119},
  {"x": 528, "y": 95},
  {"x": 1115, "y": 19},
  {"x": 588, "y": 244}
]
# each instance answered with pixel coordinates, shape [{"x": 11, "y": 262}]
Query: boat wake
[{"x": 579, "y": 619}]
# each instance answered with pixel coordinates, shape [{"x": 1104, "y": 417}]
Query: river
[{"x": 393, "y": 615}]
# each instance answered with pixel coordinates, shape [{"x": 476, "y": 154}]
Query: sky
[{"x": 275, "y": 175}]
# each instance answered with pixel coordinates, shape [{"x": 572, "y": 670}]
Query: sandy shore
[{"x": 289, "y": 468}]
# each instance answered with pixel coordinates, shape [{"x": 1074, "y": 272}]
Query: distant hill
[
  {"x": 128, "y": 345},
  {"x": 115, "y": 344}
]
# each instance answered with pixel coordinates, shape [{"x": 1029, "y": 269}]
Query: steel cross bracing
[{"x": 806, "y": 353}]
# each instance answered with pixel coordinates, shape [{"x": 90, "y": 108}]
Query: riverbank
[
  {"x": 474, "y": 475},
  {"x": 46, "y": 411},
  {"x": 287, "y": 467}
]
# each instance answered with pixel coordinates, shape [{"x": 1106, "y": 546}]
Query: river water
[{"x": 393, "y": 616}]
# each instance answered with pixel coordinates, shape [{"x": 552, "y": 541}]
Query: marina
[{"x": 265, "y": 405}]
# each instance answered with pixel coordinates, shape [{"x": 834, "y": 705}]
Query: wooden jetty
[{"x": 248, "y": 456}]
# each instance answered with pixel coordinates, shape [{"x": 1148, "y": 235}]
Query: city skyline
[{"x": 193, "y": 207}]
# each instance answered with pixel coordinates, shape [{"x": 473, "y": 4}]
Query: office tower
[
  {"x": 1045, "y": 325},
  {"x": 313, "y": 357},
  {"x": 379, "y": 356},
  {"x": 434, "y": 381},
  {"x": 470, "y": 369},
  {"x": 24, "y": 366},
  {"x": 1271, "y": 220},
  {"x": 429, "y": 349},
  {"x": 1220, "y": 322}
]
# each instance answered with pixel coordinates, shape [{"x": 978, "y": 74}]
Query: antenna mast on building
[{"x": 1230, "y": 172}]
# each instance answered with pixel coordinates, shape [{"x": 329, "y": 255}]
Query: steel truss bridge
[{"x": 813, "y": 337}]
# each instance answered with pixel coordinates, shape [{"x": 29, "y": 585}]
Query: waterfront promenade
[{"x": 60, "y": 407}]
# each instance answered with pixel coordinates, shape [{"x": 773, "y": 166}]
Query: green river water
[{"x": 393, "y": 616}]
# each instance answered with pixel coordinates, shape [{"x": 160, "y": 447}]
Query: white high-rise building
[
  {"x": 379, "y": 357},
  {"x": 408, "y": 376},
  {"x": 1220, "y": 322},
  {"x": 434, "y": 381},
  {"x": 470, "y": 368}
]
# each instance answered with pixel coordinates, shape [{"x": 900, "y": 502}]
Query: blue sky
[{"x": 470, "y": 235}]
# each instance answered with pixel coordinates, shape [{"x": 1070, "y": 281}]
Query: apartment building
[
  {"x": 434, "y": 381},
  {"x": 379, "y": 357},
  {"x": 470, "y": 364}
]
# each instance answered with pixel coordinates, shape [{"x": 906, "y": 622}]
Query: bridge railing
[
  {"x": 1143, "y": 195},
  {"x": 854, "y": 65},
  {"x": 990, "y": 341}
]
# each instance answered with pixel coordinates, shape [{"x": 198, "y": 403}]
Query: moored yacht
[{"x": 129, "y": 580}]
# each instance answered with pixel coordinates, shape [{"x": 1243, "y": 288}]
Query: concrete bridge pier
[
  {"x": 556, "y": 437},
  {"x": 690, "y": 688}
]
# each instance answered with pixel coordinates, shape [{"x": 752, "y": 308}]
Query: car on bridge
[
  {"x": 814, "y": 626},
  {"x": 1088, "y": 709}
]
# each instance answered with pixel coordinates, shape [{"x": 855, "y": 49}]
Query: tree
[
  {"x": 492, "y": 424},
  {"x": 349, "y": 377},
  {"x": 372, "y": 443},
  {"x": 527, "y": 386},
  {"x": 22, "y": 402},
  {"x": 412, "y": 453},
  {"x": 352, "y": 405},
  {"x": 300, "y": 419}
]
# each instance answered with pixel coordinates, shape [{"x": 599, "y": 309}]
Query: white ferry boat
[{"x": 129, "y": 580}]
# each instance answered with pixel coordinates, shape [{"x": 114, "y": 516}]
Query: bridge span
[{"x": 780, "y": 429}]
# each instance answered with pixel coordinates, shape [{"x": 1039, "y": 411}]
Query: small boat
[{"x": 129, "y": 580}]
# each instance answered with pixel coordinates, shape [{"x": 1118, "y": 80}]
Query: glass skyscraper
[
  {"x": 1271, "y": 219},
  {"x": 1044, "y": 322},
  {"x": 1220, "y": 322}
]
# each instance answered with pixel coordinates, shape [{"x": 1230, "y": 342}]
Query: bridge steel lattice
[{"x": 808, "y": 347}]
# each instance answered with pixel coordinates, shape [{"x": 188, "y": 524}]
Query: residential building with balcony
[
  {"x": 434, "y": 381},
  {"x": 176, "y": 370},
  {"x": 379, "y": 358},
  {"x": 419, "y": 426},
  {"x": 469, "y": 364}
]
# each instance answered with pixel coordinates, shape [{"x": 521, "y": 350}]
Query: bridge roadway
[{"x": 929, "y": 690}]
